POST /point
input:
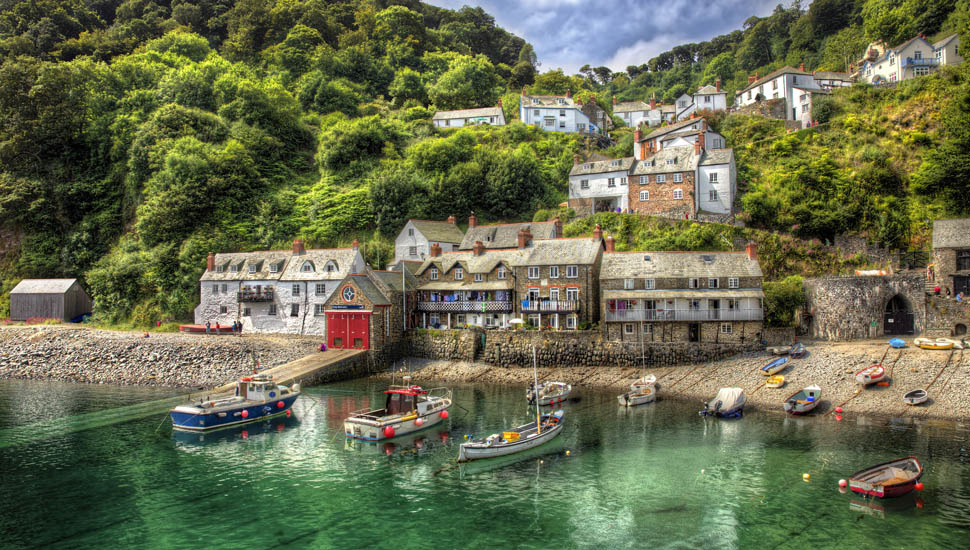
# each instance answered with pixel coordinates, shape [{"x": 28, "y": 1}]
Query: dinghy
[
  {"x": 779, "y": 350},
  {"x": 549, "y": 393},
  {"x": 897, "y": 343},
  {"x": 775, "y": 381},
  {"x": 646, "y": 394},
  {"x": 916, "y": 397},
  {"x": 775, "y": 366},
  {"x": 871, "y": 374},
  {"x": 798, "y": 350},
  {"x": 889, "y": 479},
  {"x": 938, "y": 344},
  {"x": 803, "y": 401},
  {"x": 528, "y": 436},
  {"x": 729, "y": 403}
]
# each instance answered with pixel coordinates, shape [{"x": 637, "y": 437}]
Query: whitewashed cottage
[{"x": 414, "y": 241}]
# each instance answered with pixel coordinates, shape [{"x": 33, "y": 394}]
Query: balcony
[
  {"x": 622, "y": 315},
  {"x": 924, "y": 62},
  {"x": 550, "y": 306},
  {"x": 252, "y": 295},
  {"x": 491, "y": 306}
]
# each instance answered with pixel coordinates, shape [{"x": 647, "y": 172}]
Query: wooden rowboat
[
  {"x": 803, "y": 401},
  {"x": 798, "y": 350},
  {"x": 775, "y": 381},
  {"x": 871, "y": 374},
  {"x": 916, "y": 397},
  {"x": 889, "y": 479},
  {"x": 775, "y": 366},
  {"x": 938, "y": 344}
]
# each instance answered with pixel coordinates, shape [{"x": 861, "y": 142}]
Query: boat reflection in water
[
  {"x": 412, "y": 444},
  {"x": 869, "y": 507},
  {"x": 235, "y": 433}
]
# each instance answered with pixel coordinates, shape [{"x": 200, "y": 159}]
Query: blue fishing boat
[
  {"x": 256, "y": 397},
  {"x": 775, "y": 366}
]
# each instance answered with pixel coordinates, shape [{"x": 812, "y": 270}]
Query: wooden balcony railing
[
  {"x": 550, "y": 306},
  {"x": 753, "y": 314},
  {"x": 491, "y": 306},
  {"x": 250, "y": 295}
]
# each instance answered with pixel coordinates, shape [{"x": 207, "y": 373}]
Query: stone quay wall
[
  {"x": 452, "y": 345},
  {"x": 849, "y": 308},
  {"x": 947, "y": 317}
]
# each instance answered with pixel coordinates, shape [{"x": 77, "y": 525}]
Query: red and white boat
[
  {"x": 871, "y": 374},
  {"x": 889, "y": 479},
  {"x": 408, "y": 409}
]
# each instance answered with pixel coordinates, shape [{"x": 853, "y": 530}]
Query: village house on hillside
[
  {"x": 561, "y": 114},
  {"x": 706, "y": 98},
  {"x": 274, "y": 290},
  {"x": 635, "y": 113},
  {"x": 546, "y": 282},
  {"x": 414, "y": 241},
  {"x": 506, "y": 235},
  {"x": 683, "y": 133},
  {"x": 913, "y": 58},
  {"x": 795, "y": 86},
  {"x": 951, "y": 254},
  {"x": 599, "y": 186},
  {"x": 682, "y": 296},
  {"x": 494, "y": 116}
]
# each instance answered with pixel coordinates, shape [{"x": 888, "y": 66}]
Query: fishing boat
[
  {"x": 528, "y": 436},
  {"x": 632, "y": 398},
  {"x": 644, "y": 381},
  {"x": 549, "y": 393},
  {"x": 256, "y": 397},
  {"x": 915, "y": 397},
  {"x": 779, "y": 350},
  {"x": 407, "y": 409},
  {"x": 798, "y": 350},
  {"x": 729, "y": 403},
  {"x": 871, "y": 374},
  {"x": 938, "y": 344},
  {"x": 897, "y": 343},
  {"x": 803, "y": 401},
  {"x": 775, "y": 366},
  {"x": 775, "y": 381},
  {"x": 889, "y": 479}
]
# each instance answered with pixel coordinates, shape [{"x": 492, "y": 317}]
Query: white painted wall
[
  {"x": 565, "y": 118},
  {"x": 724, "y": 187},
  {"x": 411, "y": 237},
  {"x": 713, "y": 102},
  {"x": 599, "y": 187},
  {"x": 473, "y": 121}
]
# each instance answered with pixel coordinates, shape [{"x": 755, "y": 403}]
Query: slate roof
[
  {"x": 393, "y": 279},
  {"x": 549, "y": 101},
  {"x": 469, "y": 113},
  {"x": 668, "y": 108},
  {"x": 676, "y": 135},
  {"x": 43, "y": 286},
  {"x": 664, "y": 130},
  {"x": 602, "y": 167},
  {"x": 944, "y": 42},
  {"x": 262, "y": 260},
  {"x": 631, "y": 106},
  {"x": 683, "y": 293},
  {"x": 771, "y": 76},
  {"x": 410, "y": 265},
  {"x": 829, "y": 75},
  {"x": 370, "y": 291},
  {"x": 626, "y": 265},
  {"x": 506, "y": 235},
  {"x": 709, "y": 90},
  {"x": 437, "y": 231},
  {"x": 684, "y": 157},
  {"x": 577, "y": 251},
  {"x": 342, "y": 258},
  {"x": 717, "y": 156},
  {"x": 952, "y": 233}
]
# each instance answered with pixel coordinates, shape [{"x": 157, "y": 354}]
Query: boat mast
[{"x": 535, "y": 377}]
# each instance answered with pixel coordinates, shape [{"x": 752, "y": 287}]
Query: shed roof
[
  {"x": 469, "y": 113},
  {"x": 43, "y": 286},
  {"x": 438, "y": 231},
  {"x": 624, "y": 265},
  {"x": 952, "y": 233}
]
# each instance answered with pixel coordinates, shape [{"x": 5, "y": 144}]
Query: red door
[
  {"x": 348, "y": 330},
  {"x": 359, "y": 330}
]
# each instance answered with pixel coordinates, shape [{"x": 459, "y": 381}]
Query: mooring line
[{"x": 945, "y": 365}]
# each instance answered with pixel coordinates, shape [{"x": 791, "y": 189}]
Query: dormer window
[
  {"x": 273, "y": 268},
  {"x": 587, "y": 166},
  {"x": 459, "y": 273},
  {"x": 307, "y": 267},
  {"x": 535, "y": 101},
  {"x": 220, "y": 269},
  {"x": 434, "y": 274},
  {"x": 614, "y": 163},
  {"x": 502, "y": 273},
  {"x": 330, "y": 267},
  {"x": 479, "y": 277},
  {"x": 252, "y": 268},
  {"x": 234, "y": 268},
  {"x": 562, "y": 101}
]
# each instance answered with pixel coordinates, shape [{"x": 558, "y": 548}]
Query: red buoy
[
  {"x": 419, "y": 422},
  {"x": 244, "y": 414},
  {"x": 388, "y": 431},
  {"x": 838, "y": 409},
  {"x": 244, "y": 434},
  {"x": 280, "y": 404},
  {"x": 443, "y": 414},
  {"x": 918, "y": 486},
  {"x": 288, "y": 411}
]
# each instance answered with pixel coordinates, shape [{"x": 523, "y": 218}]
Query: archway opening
[
  {"x": 960, "y": 329},
  {"x": 898, "y": 318}
]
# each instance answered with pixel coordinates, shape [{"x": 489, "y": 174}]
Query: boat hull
[
  {"x": 889, "y": 490},
  {"x": 195, "y": 419},
  {"x": 916, "y": 397},
  {"x": 632, "y": 399},
  {"x": 371, "y": 430},
  {"x": 871, "y": 375},
  {"x": 775, "y": 366},
  {"x": 551, "y": 399},
  {"x": 469, "y": 451}
]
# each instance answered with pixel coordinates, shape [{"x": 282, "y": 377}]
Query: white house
[
  {"x": 635, "y": 113},
  {"x": 710, "y": 98},
  {"x": 828, "y": 80},
  {"x": 414, "y": 241},
  {"x": 555, "y": 114},
  {"x": 778, "y": 85},
  {"x": 599, "y": 186},
  {"x": 274, "y": 291},
  {"x": 678, "y": 134},
  {"x": 494, "y": 116},
  {"x": 915, "y": 57},
  {"x": 716, "y": 181}
]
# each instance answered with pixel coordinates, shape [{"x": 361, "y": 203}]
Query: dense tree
[{"x": 469, "y": 82}]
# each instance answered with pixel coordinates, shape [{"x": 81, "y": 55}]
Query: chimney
[
  {"x": 356, "y": 244},
  {"x": 597, "y": 232},
  {"x": 452, "y": 220},
  {"x": 801, "y": 67},
  {"x": 472, "y": 221},
  {"x": 525, "y": 237},
  {"x": 569, "y": 93},
  {"x": 478, "y": 248},
  {"x": 752, "y": 250},
  {"x": 558, "y": 223},
  {"x": 703, "y": 125},
  {"x": 637, "y": 135},
  {"x": 653, "y": 103},
  {"x": 523, "y": 90},
  {"x": 699, "y": 144},
  {"x": 210, "y": 262},
  {"x": 751, "y": 79},
  {"x": 576, "y": 158},
  {"x": 614, "y": 100},
  {"x": 610, "y": 244},
  {"x": 435, "y": 250},
  {"x": 717, "y": 84},
  {"x": 499, "y": 103},
  {"x": 298, "y": 248}
]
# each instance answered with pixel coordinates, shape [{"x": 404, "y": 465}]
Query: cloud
[{"x": 615, "y": 33}]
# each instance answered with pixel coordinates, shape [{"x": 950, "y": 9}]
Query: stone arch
[
  {"x": 898, "y": 316},
  {"x": 898, "y": 302},
  {"x": 959, "y": 329}
]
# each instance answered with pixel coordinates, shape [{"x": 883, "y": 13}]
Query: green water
[{"x": 658, "y": 476}]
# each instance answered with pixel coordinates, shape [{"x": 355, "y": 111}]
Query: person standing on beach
[{"x": 207, "y": 326}]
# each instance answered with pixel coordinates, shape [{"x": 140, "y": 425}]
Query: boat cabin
[
  {"x": 259, "y": 387},
  {"x": 403, "y": 399}
]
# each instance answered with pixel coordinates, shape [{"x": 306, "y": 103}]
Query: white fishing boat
[
  {"x": 549, "y": 393},
  {"x": 407, "y": 409},
  {"x": 804, "y": 401},
  {"x": 729, "y": 403},
  {"x": 646, "y": 394}
]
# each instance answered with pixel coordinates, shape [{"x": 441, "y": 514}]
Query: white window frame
[
  {"x": 412, "y": 251},
  {"x": 320, "y": 289},
  {"x": 649, "y": 284},
  {"x": 223, "y": 309},
  {"x": 554, "y": 272},
  {"x": 479, "y": 277},
  {"x": 434, "y": 274},
  {"x": 693, "y": 282},
  {"x": 502, "y": 273},
  {"x": 296, "y": 289},
  {"x": 252, "y": 268},
  {"x": 622, "y": 181},
  {"x": 661, "y": 178},
  {"x": 571, "y": 322},
  {"x": 533, "y": 272},
  {"x": 678, "y": 194},
  {"x": 629, "y": 328},
  {"x": 274, "y": 267},
  {"x": 727, "y": 328},
  {"x": 628, "y": 284},
  {"x": 678, "y": 178},
  {"x": 319, "y": 310},
  {"x": 712, "y": 177},
  {"x": 712, "y": 282},
  {"x": 611, "y": 182},
  {"x": 644, "y": 196},
  {"x": 574, "y": 269},
  {"x": 572, "y": 293},
  {"x": 712, "y": 195},
  {"x": 307, "y": 267},
  {"x": 459, "y": 274},
  {"x": 584, "y": 184},
  {"x": 732, "y": 282}
]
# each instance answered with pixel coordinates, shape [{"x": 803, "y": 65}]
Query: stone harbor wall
[
  {"x": 847, "y": 308},
  {"x": 455, "y": 345},
  {"x": 779, "y": 336},
  {"x": 947, "y": 317}
]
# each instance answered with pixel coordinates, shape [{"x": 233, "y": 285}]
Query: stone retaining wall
[
  {"x": 947, "y": 317},
  {"x": 454, "y": 345},
  {"x": 847, "y": 308},
  {"x": 775, "y": 336}
]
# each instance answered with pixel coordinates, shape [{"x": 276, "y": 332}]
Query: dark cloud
[{"x": 615, "y": 33}]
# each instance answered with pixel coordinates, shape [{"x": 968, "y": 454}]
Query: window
[
  {"x": 774, "y": 84},
  {"x": 622, "y": 181},
  {"x": 562, "y": 123},
  {"x": 572, "y": 293},
  {"x": 803, "y": 98},
  {"x": 225, "y": 288},
  {"x": 713, "y": 177},
  {"x": 434, "y": 274},
  {"x": 554, "y": 272},
  {"x": 678, "y": 178},
  {"x": 963, "y": 260},
  {"x": 649, "y": 284},
  {"x": 273, "y": 268},
  {"x": 581, "y": 127},
  {"x": 479, "y": 277},
  {"x": 234, "y": 268},
  {"x": 804, "y": 108},
  {"x": 461, "y": 319},
  {"x": 572, "y": 271},
  {"x": 252, "y": 269},
  {"x": 917, "y": 54},
  {"x": 921, "y": 71},
  {"x": 330, "y": 267},
  {"x": 215, "y": 288},
  {"x": 892, "y": 59},
  {"x": 629, "y": 328},
  {"x": 584, "y": 184},
  {"x": 627, "y": 284},
  {"x": 614, "y": 163},
  {"x": 272, "y": 309},
  {"x": 732, "y": 282},
  {"x": 774, "y": 96},
  {"x": 535, "y": 101},
  {"x": 535, "y": 112},
  {"x": 534, "y": 320},
  {"x": 549, "y": 122},
  {"x": 320, "y": 289},
  {"x": 726, "y": 328},
  {"x": 562, "y": 112},
  {"x": 678, "y": 194},
  {"x": 694, "y": 304},
  {"x": 412, "y": 251},
  {"x": 554, "y": 294},
  {"x": 644, "y": 196},
  {"x": 317, "y": 310},
  {"x": 611, "y": 182},
  {"x": 459, "y": 273},
  {"x": 671, "y": 161},
  {"x": 247, "y": 312},
  {"x": 223, "y": 309},
  {"x": 220, "y": 268},
  {"x": 711, "y": 282},
  {"x": 294, "y": 310},
  {"x": 571, "y": 322},
  {"x": 562, "y": 101},
  {"x": 502, "y": 273},
  {"x": 661, "y": 178},
  {"x": 712, "y": 195},
  {"x": 296, "y": 290},
  {"x": 749, "y": 94},
  {"x": 533, "y": 272},
  {"x": 644, "y": 180},
  {"x": 693, "y": 282},
  {"x": 707, "y": 99}
]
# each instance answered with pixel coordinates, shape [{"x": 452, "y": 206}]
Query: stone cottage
[{"x": 951, "y": 254}]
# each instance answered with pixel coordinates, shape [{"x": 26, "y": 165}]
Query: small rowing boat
[
  {"x": 915, "y": 397},
  {"x": 775, "y": 366},
  {"x": 646, "y": 394},
  {"x": 938, "y": 344},
  {"x": 775, "y": 381},
  {"x": 803, "y": 401},
  {"x": 889, "y": 479},
  {"x": 897, "y": 343},
  {"x": 871, "y": 374},
  {"x": 549, "y": 393},
  {"x": 729, "y": 403},
  {"x": 798, "y": 350}
]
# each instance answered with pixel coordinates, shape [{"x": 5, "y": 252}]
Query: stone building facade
[
  {"x": 849, "y": 308},
  {"x": 368, "y": 310},
  {"x": 951, "y": 255},
  {"x": 664, "y": 185}
]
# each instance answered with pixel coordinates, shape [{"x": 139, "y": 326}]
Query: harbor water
[{"x": 99, "y": 467}]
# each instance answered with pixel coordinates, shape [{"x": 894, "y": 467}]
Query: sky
[{"x": 614, "y": 33}]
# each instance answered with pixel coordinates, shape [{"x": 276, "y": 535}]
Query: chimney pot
[
  {"x": 472, "y": 221},
  {"x": 298, "y": 247},
  {"x": 558, "y": 223},
  {"x": 610, "y": 244},
  {"x": 478, "y": 248},
  {"x": 452, "y": 220},
  {"x": 569, "y": 93},
  {"x": 717, "y": 84},
  {"x": 801, "y": 67},
  {"x": 699, "y": 144},
  {"x": 210, "y": 262},
  {"x": 752, "y": 250},
  {"x": 435, "y": 250},
  {"x": 614, "y": 100},
  {"x": 597, "y": 232},
  {"x": 653, "y": 103}
]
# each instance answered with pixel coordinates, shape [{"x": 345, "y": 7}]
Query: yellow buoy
[{"x": 806, "y": 477}]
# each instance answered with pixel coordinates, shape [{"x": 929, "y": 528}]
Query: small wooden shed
[{"x": 62, "y": 299}]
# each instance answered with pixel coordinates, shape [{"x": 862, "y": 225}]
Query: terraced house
[
  {"x": 544, "y": 282},
  {"x": 414, "y": 241},
  {"x": 274, "y": 290},
  {"x": 681, "y": 296}
]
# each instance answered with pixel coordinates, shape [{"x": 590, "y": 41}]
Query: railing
[
  {"x": 246, "y": 295},
  {"x": 492, "y": 306},
  {"x": 924, "y": 62},
  {"x": 913, "y": 259},
  {"x": 753, "y": 314},
  {"x": 552, "y": 306}
]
